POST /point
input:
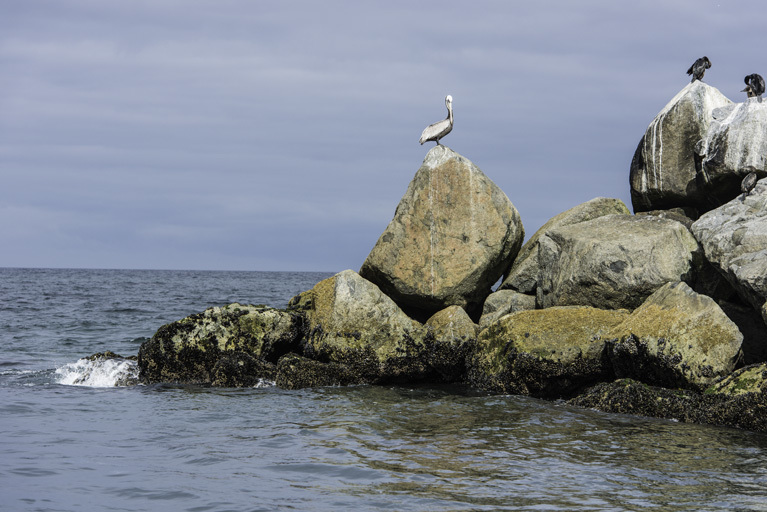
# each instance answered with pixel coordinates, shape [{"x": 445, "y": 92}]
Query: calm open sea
[{"x": 72, "y": 441}]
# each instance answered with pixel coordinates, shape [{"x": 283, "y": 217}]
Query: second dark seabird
[{"x": 698, "y": 68}]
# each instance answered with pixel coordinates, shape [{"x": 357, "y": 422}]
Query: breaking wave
[{"x": 99, "y": 373}]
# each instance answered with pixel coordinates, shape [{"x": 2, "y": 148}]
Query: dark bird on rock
[
  {"x": 748, "y": 184},
  {"x": 438, "y": 130},
  {"x": 698, "y": 68},
  {"x": 754, "y": 86}
]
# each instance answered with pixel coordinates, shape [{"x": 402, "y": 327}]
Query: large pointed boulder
[
  {"x": 734, "y": 240},
  {"x": 453, "y": 235},
  {"x": 664, "y": 170}
]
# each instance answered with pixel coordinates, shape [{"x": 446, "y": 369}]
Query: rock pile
[{"x": 661, "y": 313}]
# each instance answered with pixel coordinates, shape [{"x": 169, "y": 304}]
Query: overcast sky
[{"x": 259, "y": 135}]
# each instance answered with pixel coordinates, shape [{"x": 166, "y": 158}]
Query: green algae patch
[
  {"x": 187, "y": 350},
  {"x": 676, "y": 338},
  {"x": 751, "y": 379},
  {"x": 351, "y": 322},
  {"x": 548, "y": 352}
]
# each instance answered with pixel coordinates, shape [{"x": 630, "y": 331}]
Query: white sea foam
[
  {"x": 264, "y": 383},
  {"x": 99, "y": 373}
]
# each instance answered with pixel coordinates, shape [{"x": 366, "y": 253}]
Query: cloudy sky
[{"x": 280, "y": 135}]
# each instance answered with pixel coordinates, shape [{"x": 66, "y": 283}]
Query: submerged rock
[
  {"x": 676, "y": 338},
  {"x": 453, "y": 235},
  {"x": 548, "y": 352},
  {"x": 614, "y": 261},
  {"x": 523, "y": 276},
  {"x": 734, "y": 240},
  {"x": 664, "y": 171},
  {"x": 626, "y": 396},
  {"x": 351, "y": 322},
  {"x": 296, "y": 372},
  {"x": 186, "y": 351}
]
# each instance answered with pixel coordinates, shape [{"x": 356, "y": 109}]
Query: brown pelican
[
  {"x": 438, "y": 130},
  {"x": 748, "y": 184},
  {"x": 698, "y": 68},
  {"x": 754, "y": 86}
]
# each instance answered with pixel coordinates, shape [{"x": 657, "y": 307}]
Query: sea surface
[{"x": 70, "y": 440}]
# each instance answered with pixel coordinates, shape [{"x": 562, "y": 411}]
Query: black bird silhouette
[
  {"x": 754, "y": 86},
  {"x": 698, "y": 68},
  {"x": 748, "y": 184}
]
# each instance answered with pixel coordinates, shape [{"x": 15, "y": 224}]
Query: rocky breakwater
[
  {"x": 454, "y": 234},
  {"x": 603, "y": 308}
]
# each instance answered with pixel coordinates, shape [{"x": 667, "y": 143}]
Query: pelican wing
[{"x": 436, "y": 131}]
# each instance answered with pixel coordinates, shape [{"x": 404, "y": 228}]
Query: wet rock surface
[
  {"x": 186, "y": 351},
  {"x": 626, "y": 396}
]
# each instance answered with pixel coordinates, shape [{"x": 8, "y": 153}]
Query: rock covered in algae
[
  {"x": 626, "y": 396},
  {"x": 749, "y": 379},
  {"x": 351, "y": 322},
  {"x": 452, "y": 336},
  {"x": 453, "y": 235},
  {"x": 186, "y": 351},
  {"x": 676, "y": 338},
  {"x": 544, "y": 352}
]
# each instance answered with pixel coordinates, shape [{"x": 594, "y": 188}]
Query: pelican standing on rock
[
  {"x": 698, "y": 68},
  {"x": 438, "y": 130},
  {"x": 748, "y": 184},
  {"x": 754, "y": 86}
]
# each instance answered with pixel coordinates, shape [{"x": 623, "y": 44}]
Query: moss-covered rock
[
  {"x": 627, "y": 396},
  {"x": 750, "y": 379},
  {"x": 187, "y": 350},
  {"x": 351, "y": 322},
  {"x": 677, "y": 338},
  {"x": 549, "y": 352},
  {"x": 296, "y": 372},
  {"x": 451, "y": 337}
]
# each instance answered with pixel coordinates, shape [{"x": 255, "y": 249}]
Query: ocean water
[{"x": 70, "y": 440}]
